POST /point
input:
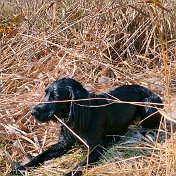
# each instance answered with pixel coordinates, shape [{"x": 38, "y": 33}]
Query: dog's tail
[{"x": 149, "y": 113}]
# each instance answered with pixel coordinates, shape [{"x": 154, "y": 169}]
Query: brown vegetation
[{"x": 102, "y": 44}]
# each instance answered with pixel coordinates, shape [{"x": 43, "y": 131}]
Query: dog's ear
[
  {"x": 62, "y": 94},
  {"x": 80, "y": 112},
  {"x": 76, "y": 94}
]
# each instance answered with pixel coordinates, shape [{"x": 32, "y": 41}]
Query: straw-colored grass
[{"x": 102, "y": 44}]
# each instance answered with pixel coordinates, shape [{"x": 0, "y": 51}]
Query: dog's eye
[{"x": 52, "y": 95}]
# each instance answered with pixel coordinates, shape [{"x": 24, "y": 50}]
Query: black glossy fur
[{"x": 90, "y": 122}]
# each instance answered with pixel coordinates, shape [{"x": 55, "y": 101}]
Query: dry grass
[{"x": 102, "y": 44}]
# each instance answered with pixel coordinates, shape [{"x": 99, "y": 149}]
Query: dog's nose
[{"x": 36, "y": 111}]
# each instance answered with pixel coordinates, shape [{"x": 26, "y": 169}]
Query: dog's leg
[
  {"x": 65, "y": 142},
  {"x": 94, "y": 155}
]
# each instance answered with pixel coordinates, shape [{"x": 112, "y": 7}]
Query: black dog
[{"x": 92, "y": 119}]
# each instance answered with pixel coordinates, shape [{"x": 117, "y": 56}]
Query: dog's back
[
  {"x": 133, "y": 101},
  {"x": 131, "y": 93},
  {"x": 150, "y": 103}
]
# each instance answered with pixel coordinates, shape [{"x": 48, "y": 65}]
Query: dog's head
[{"x": 54, "y": 100}]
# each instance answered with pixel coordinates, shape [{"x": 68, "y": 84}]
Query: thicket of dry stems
[{"x": 102, "y": 44}]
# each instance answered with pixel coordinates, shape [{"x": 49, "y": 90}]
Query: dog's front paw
[
  {"x": 74, "y": 173},
  {"x": 18, "y": 170},
  {"x": 21, "y": 168}
]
